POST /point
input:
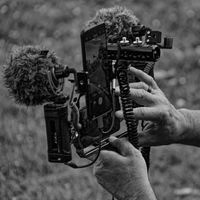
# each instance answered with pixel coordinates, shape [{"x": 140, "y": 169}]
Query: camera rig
[{"x": 68, "y": 122}]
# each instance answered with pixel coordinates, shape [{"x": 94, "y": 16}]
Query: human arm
[
  {"x": 191, "y": 135},
  {"x": 123, "y": 173},
  {"x": 167, "y": 125}
]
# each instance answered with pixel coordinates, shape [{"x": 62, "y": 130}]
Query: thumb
[{"x": 122, "y": 145}]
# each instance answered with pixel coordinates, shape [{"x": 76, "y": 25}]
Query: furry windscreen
[
  {"x": 119, "y": 21},
  {"x": 25, "y": 76}
]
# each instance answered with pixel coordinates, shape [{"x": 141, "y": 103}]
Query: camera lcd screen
[{"x": 98, "y": 96}]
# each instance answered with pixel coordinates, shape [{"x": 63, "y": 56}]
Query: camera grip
[{"x": 58, "y": 134}]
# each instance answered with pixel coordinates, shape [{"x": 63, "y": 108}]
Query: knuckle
[
  {"x": 162, "y": 98},
  {"x": 134, "y": 155},
  {"x": 132, "y": 150},
  {"x": 117, "y": 143},
  {"x": 141, "y": 93},
  {"x": 123, "y": 141},
  {"x": 153, "y": 83},
  {"x": 151, "y": 80},
  {"x": 127, "y": 146},
  {"x": 142, "y": 112},
  {"x": 165, "y": 113},
  {"x": 144, "y": 86}
]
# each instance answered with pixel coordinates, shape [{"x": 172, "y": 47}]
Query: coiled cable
[
  {"x": 146, "y": 150},
  {"x": 127, "y": 105}
]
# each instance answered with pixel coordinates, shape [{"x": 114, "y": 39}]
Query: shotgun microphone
[{"x": 34, "y": 76}]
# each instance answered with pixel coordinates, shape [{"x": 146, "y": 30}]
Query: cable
[
  {"x": 74, "y": 165},
  {"x": 57, "y": 90},
  {"x": 113, "y": 103},
  {"x": 146, "y": 150},
  {"x": 112, "y": 115},
  {"x": 127, "y": 105}
]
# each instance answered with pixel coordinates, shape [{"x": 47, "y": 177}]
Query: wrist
[
  {"x": 147, "y": 193},
  {"x": 185, "y": 125},
  {"x": 144, "y": 192}
]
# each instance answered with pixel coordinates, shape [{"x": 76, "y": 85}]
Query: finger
[
  {"x": 142, "y": 97},
  {"x": 107, "y": 160},
  {"x": 135, "y": 85},
  {"x": 144, "y": 77},
  {"x": 122, "y": 145},
  {"x": 149, "y": 126},
  {"x": 139, "y": 85},
  {"x": 107, "y": 157},
  {"x": 119, "y": 114},
  {"x": 149, "y": 113},
  {"x": 117, "y": 90},
  {"x": 92, "y": 156}
]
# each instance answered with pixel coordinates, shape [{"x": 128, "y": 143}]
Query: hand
[
  {"x": 167, "y": 124},
  {"x": 123, "y": 174}
]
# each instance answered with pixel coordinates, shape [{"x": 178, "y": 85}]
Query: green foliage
[{"x": 25, "y": 173}]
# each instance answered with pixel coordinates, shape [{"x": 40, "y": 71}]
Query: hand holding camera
[
  {"x": 123, "y": 174},
  {"x": 166, "y": 124}
]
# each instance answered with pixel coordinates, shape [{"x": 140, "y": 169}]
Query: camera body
[{"x": 105, "y": 64}]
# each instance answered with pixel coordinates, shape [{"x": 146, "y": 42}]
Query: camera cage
[{"x": 66, "y": 121}]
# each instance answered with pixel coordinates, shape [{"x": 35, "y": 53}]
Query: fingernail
[
  {"x": 133, "y": 69},
  {"x": 117, "y": 90},
  {"x": 119, "y": 114},
  {"x": 112, "y": 139}
]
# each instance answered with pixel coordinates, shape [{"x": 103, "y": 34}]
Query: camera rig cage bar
[{"x": 67, "y": 122}]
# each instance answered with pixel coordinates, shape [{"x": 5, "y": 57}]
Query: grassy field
[{"x": 25, "y": 173}]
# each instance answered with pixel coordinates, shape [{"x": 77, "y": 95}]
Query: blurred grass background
[{"x": 25, "y": 173}]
